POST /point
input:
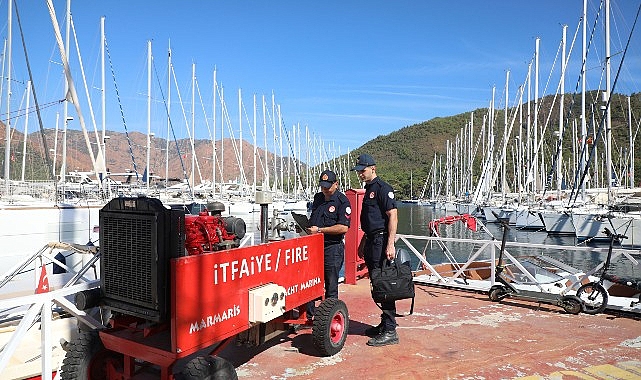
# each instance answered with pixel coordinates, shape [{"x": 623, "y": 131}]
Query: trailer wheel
[
  {"x": 331, "y": 323},
  {"x": 571, "y": 304},
  {"x": 497, "y": 293},
  {"x": 594, "y": 297},
  {"x": 87, "y": 358},
  {"x": 208, "y": 368}
]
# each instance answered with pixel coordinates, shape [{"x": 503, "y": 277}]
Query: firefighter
[
  {"x": 379, "y": 220},
  {"x": 330, "y": 216}
]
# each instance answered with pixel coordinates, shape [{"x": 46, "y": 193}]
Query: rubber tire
[
  {"x": 208, "y": 368},
  {"x": 331, "y": 324},
  {"x": 571, "y": 304},
  {"x": 87, "y": 357},
  {"x": 497, "y": 293},
  {"x": 594, "y": 298}
]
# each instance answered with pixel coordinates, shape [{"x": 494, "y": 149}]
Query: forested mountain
[
  {"x": 410, "y": 151},
  {"x": 404, "y": 156}
]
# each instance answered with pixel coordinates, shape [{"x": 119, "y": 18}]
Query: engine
[
  {"x": 209, "y": 231},
  {"x": 138, "y": 238}
]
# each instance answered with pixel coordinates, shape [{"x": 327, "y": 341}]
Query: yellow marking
[
  {"x": 631, "y": 366},
  {"x": 608, "y": 371},
  {"x": 570, "y": 375},
  {"x": 630, "y": 370}
]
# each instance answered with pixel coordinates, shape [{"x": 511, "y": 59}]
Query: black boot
[
  {"x": 375, "y": 330},
  {"x": 383, "y": 339}
]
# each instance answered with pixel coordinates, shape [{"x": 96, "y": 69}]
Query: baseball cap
[
  {"x": 363, "y": 161},
  {"x": 327, "y": 178}
]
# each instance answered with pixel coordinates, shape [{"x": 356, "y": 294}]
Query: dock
[{"x": 455, "y": 334}]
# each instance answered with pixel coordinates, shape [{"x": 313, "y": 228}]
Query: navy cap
[
  {"x": 327, "y": 179},
  {"x": 363, "y": 161}
]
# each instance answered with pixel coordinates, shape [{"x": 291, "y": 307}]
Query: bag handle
[{"x": 396, "y": 314}]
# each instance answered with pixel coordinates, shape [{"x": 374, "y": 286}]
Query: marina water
[{"x": 414, "y": 219}]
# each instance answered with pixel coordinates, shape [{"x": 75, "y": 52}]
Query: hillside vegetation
[
  {"x": 404, "y": 157},
  {"x": 410, "y": 151}
]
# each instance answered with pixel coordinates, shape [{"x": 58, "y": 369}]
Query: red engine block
[{"x": 206, "y": 233}]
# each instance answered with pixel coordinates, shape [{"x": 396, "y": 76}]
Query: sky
[{"x": 346, "y": 71}]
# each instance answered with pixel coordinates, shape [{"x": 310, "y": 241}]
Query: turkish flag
[{"x": 43, "y": 284}]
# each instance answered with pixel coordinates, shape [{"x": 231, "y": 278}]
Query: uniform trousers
[
  {"x": 375, "y": 255},
  {"x": 334, "y": 257}
]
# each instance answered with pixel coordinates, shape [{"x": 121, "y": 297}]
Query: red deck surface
[{"x": 457, "y": 335}]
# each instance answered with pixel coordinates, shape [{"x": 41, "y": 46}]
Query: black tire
[
  {"x": 87, "y": 358},
  {"x": 208, "y": 368},
  {"x": 594, "y": 297},
  {"x": 497, "y": 293},
  {"x": 571, "y": 304},
  {"x": 331, "y": 323}
]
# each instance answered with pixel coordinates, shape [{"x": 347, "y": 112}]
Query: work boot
[
  {"x": 375, "y": 330},
  {"x": 383, "y": 339}
]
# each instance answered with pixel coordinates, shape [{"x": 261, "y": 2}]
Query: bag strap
[{"x": 396, "y": 314}]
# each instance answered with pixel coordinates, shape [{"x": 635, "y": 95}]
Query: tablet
[{"x": 302, "y": 221}]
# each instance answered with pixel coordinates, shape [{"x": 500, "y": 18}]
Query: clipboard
[{"x": 302, "y": 221}]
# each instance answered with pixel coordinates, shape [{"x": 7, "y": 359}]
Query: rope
[
  {"x": 607, "y": 105},
  {"x": 122, "y": 113},
  {"x": 173, "y": 133}
]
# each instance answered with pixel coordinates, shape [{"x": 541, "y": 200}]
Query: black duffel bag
[{"x": 392, "y": 282}]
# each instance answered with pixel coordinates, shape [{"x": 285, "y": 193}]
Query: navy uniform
[
  {"x": 377, "y": 211},
  {"x": 378, "y": 198},
  {"x": 326, "y": 214}
]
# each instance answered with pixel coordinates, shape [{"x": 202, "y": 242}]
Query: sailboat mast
[
  {"x": 26, "y": 133},
  {"x": 7, "y": 134},
  {"x": 559, "y": 159},
  {"x": 606, "y": 100},
  {"x": 265, "y": 184},
  {"x": 192, "y": 178},
  {"x": 103, "y": 100},
  {"x": 584, "y": 129},
  {"x": 147, "y": 171},
  {"x": 504, "y": 147},
  {"x": 631, "y": 137},
  {"x": 255, "y": 146},
  {"x": 536, "y": 117},
  {"x": 65, "y": 105},
  {"x": 280, "y": 145},
  {"x": 213, "y": 139},
  {"x": 168, "y": 106},
  {"x": 240, "y": 133}
]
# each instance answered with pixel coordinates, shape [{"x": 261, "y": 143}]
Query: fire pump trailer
[{"x": 178, "y": 288}]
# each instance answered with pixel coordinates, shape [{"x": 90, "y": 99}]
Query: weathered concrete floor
[{"x": 458, "y": 335}]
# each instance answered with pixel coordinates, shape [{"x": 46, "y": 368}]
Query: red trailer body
[
  {"x": 210, "y": 299},
  {"x": 210, "y": 293},
  {"x": 176, "y": 288}
]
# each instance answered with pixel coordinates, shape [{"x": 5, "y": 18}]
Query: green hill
[{"x": 409, "y": 152}]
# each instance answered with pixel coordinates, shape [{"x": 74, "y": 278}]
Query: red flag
[{"x": 43, "y": 284}]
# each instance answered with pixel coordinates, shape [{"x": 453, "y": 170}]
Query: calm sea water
[{"x": 414, "y": 219}]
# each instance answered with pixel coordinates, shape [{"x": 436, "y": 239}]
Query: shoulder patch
[
  {"x": 391, "y": 194},
  {"x": 348, "y": 210}
]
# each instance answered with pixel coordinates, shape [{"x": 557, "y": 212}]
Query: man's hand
[
  {"x": 391, "y": 252},
  {"x": 313, "y": 230}
]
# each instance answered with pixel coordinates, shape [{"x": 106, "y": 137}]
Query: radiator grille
[
  {"x": 138, "y": 238},
  {"x": 127, "y": 246}
]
